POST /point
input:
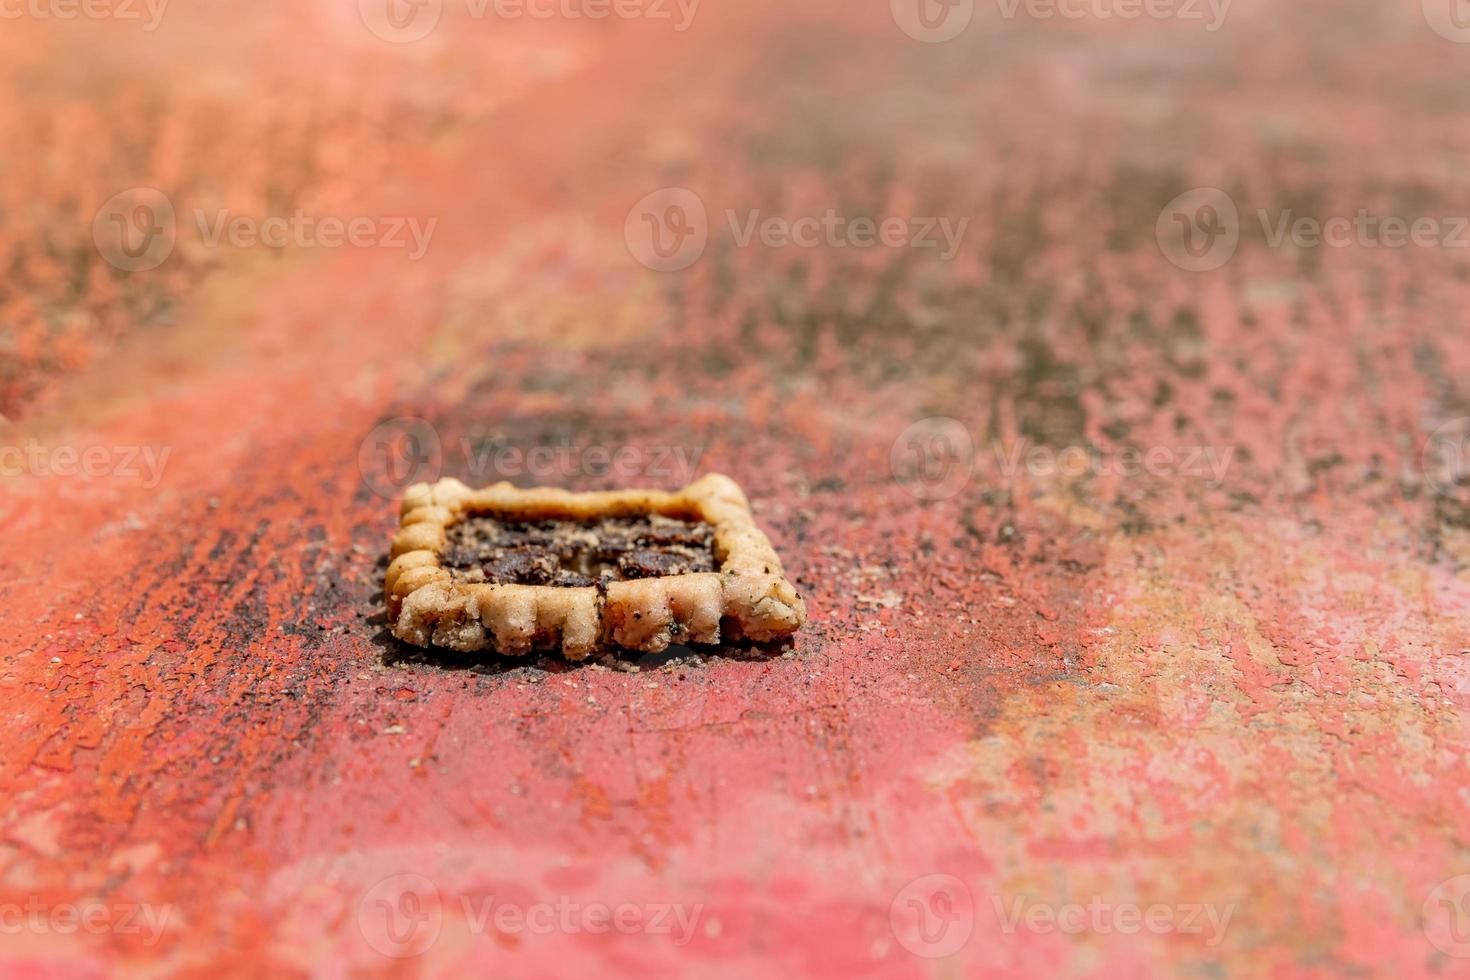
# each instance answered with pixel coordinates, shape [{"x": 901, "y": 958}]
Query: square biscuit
[{"x": 515, "y": 570}]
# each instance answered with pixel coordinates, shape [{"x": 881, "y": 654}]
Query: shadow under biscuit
[{"x": 395, "y": 653}]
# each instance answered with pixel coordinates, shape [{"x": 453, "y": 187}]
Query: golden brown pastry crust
[{"x": 747, "y": 598}]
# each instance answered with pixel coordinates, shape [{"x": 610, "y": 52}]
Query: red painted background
[{"x": 1049, "y": 691}]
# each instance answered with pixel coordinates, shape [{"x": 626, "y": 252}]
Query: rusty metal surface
[{"x": 1130, "y": 530}]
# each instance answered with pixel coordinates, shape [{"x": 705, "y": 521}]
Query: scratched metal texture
[{"x": 1157, "y": 689}]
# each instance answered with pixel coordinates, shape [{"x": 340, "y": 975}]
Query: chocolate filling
[{"x": 503, "y": 551}]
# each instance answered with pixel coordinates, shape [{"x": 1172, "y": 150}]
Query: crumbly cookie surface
[
  {"x": 520, "y": 570},
  {"x": 503, "y": 551}
]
